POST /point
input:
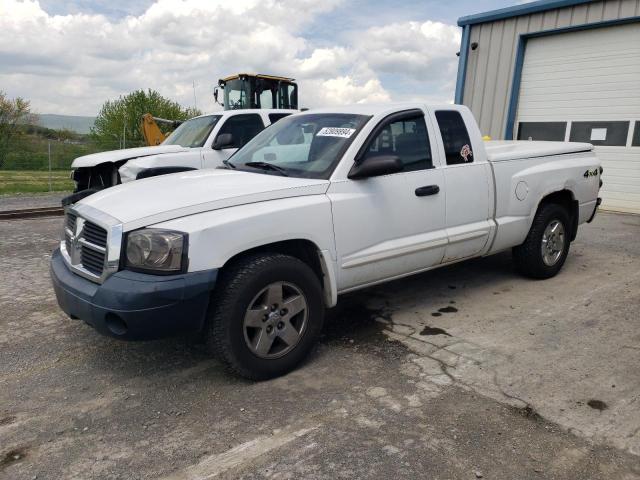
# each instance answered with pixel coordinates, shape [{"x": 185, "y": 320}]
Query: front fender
[{"x": 219, "y": 235}]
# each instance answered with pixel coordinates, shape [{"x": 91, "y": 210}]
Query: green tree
[
  {"x": 120, "y": 120},
  {"x": 14, "y": 113}
]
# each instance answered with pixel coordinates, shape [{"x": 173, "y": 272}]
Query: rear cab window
[
  {"x": 274, "y": 117},
  {"x": 455, "y": 137}
]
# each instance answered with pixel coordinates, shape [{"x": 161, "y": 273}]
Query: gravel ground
[
  {"x": 375, "y": 400},
  {"x": 31, "y": 200}
]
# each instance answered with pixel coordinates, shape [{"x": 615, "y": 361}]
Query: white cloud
[{"x": 73, "y": 63}]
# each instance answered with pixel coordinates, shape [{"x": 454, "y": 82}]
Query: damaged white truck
[
  {"x": 322, "y": 203},
  {"x": 201, "y": 142}
]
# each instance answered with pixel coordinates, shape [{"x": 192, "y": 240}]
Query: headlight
[{"x": 160, "y": 251}]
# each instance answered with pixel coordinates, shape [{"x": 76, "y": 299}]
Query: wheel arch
[
  {"x": 567, "y": 200},
  {"x": 306, "y": 251}
]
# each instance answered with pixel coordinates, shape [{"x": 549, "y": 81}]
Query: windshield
[
  {"x": 193, "y": 133},
  {"x": 253, "y": 92},
  {"x": 307, "y": 146}
]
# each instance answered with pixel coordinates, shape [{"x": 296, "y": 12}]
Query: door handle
[{"x": 426, "y": 191}]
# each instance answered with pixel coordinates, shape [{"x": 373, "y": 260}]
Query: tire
[
  {"x": 242, "y": 322},
  {"x": 533, "y": 258}
]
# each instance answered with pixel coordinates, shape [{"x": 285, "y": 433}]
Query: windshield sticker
[
  {"x": 336, "y": 132},
  {"x": 466, "y": 153}
]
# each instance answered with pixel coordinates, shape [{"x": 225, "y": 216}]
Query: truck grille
[
  {"x": 70, "y": 224},
  {"x": 94, "y": 234},
  {"x": 92, "y": 260},
  {"x": 71, "y": 221},
  {"x": 86, "y": 244}
]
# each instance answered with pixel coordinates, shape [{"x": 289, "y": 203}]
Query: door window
[
  {"x": 406, "y": 139},
  {"x": 243, "y": 128},
  {"x": 457, "y": 145}
]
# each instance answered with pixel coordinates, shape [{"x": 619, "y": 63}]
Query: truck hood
[
  {"x": 191, "y": 159},
  {"x": 124, "y": 154},
  {"x": 158, "y": 199}
]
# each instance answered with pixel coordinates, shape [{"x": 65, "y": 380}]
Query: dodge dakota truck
[
  {"x": 201, "y": 142},
  {"x": 322, "y": 203}
]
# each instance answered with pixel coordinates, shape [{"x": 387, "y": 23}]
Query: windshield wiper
[
  {"x": 268, "y": 166},
  {"x": 227, "y": 163}
]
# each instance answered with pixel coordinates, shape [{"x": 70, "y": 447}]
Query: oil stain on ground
[
  {"x": 353, "y": 318},
  {"x": 434, "y": 331},
  {"x": 527, "y": 412},
  {"x": 597, "y": 404},
  {"x": 448, "y": 309}
]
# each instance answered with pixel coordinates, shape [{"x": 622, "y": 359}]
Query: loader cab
[{"x": 257, "y": 91}]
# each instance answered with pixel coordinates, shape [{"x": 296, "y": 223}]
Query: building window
[
  {"x": 457, "y": 145},
  {"x": 549, "y": 131},
  {"x": 612, "y": 134},
  {"x": 635, "y": 140}
]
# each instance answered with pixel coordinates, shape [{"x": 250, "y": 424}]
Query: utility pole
[
  {"x": 49, "y": 148},
  {"x": 195, "y": 103},
  {"x": 124, "y": 133}
]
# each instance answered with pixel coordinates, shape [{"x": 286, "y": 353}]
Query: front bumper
[{"x": 135, "y": 306}]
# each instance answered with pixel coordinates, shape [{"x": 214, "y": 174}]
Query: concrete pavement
[{"x": 465, "y": 372}]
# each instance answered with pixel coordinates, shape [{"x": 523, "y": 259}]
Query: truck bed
[
  {"x": 502, "y": 150},
  {"x": 526, "y": 171}
]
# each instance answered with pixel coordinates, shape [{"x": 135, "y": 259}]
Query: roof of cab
[
  {"x": 228, "y": 113},
  {"x": 257, "y": 75},
  {"x": 379, "y": 109}
]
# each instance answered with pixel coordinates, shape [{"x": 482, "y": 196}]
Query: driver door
[{"x": 391, "y": 225}]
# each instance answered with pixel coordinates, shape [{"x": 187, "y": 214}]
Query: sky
[{"x": 69, "y": 56}]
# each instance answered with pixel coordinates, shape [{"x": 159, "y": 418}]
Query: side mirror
[
  {"x": 376, "y": 166},
  {"x": 215, "y": 94},
  {"x": 223, "y": 140}
]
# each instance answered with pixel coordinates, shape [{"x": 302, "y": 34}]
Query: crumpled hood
[
  {"x": 124, "y": 154},
  {"x": 158, "y": 199}
]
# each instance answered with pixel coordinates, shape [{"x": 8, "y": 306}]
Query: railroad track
[{"x": 30, "y": 213}]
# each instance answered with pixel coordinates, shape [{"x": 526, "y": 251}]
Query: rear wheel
[
  {"x": 547, "y": 245},
  {"x": 266, "y": 315}
]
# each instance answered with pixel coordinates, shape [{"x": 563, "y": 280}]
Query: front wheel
[
  {"x": 547, "y": 245},
  {"x": 266, "y": 315}
]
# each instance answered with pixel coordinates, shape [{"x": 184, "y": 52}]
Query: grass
[{"x": 34, "y": 181}]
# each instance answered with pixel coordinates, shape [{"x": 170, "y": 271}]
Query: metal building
[{"x": 560, "y": 70}]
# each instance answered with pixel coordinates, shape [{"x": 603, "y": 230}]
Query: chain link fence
[{"x": 35, "y": 164}]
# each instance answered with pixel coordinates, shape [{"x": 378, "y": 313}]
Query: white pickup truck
[
  {"x": 322, "y": 203},
  {"x": 200, "y": 142}
]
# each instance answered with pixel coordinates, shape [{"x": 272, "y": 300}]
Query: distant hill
[{"x": 70, "y": 122}]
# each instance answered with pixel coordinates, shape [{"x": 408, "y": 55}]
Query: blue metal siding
[
  {"x": 462, "y": 65},
  {"x": 517, "y": 10}
]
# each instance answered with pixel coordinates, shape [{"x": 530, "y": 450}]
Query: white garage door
[{"x": 585, "y": 86}]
